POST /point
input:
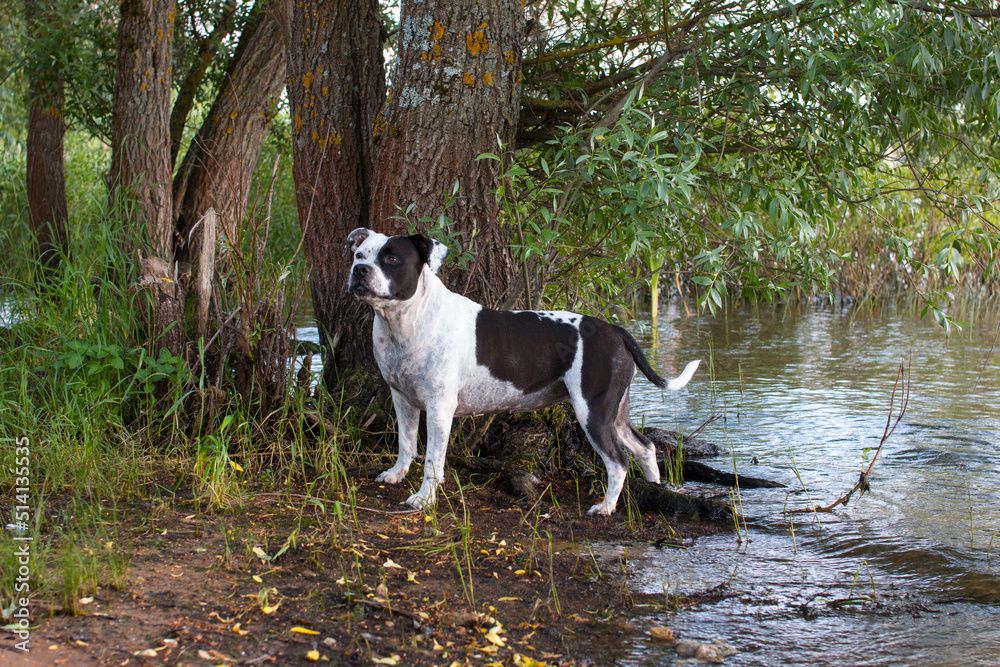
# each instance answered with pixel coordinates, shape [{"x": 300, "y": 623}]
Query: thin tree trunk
[
  {"x": 140, "y": 136},
  {"x": 218, "y": 167},
  {"x": 45, "y": 180},
  {"x": 336, "y": 88},
  {"x": 456, "y": 90},
  {"x": 192, "y": 80}
]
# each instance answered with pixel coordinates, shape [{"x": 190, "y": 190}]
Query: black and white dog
[{"x": 449, "y": 356}]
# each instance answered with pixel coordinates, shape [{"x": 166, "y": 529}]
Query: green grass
[{"x": 110, "y": 420}]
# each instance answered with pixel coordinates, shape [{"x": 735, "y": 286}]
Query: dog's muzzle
[{"x": 358, "y": 284}]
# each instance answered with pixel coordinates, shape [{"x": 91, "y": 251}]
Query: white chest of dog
[{"x": 448, "y": 356}]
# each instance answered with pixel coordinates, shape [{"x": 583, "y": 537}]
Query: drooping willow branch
[{"x": 892, "y": 420}]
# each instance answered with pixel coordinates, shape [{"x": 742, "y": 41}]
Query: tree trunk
[
  {"x": 140, "y": 136},
  {"x": 219, "y": 165},
  {"x": 192, "y": 80},
  {"x": 456, "y": 89},
  {"x": 336, "y": 87},
  {"x": 45, "y": 181}
]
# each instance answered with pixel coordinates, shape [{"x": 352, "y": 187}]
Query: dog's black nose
[{"x": 362, "y": 270}]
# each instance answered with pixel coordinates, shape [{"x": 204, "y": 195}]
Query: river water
[{"x": 909, "y": 574}]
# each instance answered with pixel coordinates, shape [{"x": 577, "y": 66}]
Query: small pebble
[
  {"x": 686, "y": 648},
  {"x": 724, "y": 648},
  {"x": 709, "y": 653}
]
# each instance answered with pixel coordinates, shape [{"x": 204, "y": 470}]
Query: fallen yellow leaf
[
  {"x": 391, "y": 660},
  {"x": 237, "y": 630},
  {"x": 524, "y": 661},
  {"x": 304, "y": 631},
  {"x": 312, "y": 655},
  {"x": 270, "y": 608},
  {"x": 391, "y": 563},
  {"x": 257, "y": 579},
  {"x": 493, "y": 636}
]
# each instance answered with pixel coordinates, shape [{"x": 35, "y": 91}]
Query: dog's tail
[{"x": 640, "y": 360}]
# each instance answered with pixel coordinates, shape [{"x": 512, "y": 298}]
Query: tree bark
[
  {"x": 218, "y": 167},
  {"x": 456, "y": 92},
  {"x": 45, "y": 179},
  {"x": 207, "y": 49},
  {"x": 336, "y": 88},
  {"x": 140, "y": 136}
]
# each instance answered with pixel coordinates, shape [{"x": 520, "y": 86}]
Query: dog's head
[{"x": 389, "y": 267}]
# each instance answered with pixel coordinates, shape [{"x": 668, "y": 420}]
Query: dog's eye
[{"x": 391, "y": 260}]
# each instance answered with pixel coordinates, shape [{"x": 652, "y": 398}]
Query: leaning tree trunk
[
  {"x": 191, "y": 84},
  {"x": 219, "y": 165},
  {"x": 336, "y": 88},
  {"x": 45, "y": 181},
  {"x": 140, "y": 136},
  {"x": 456, "y": 89}
]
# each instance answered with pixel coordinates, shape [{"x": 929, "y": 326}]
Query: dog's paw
[
  {"x": 601, "y": 509},
  {"x": 393, "y": 475},
  {"x": 420, "y": 502}
]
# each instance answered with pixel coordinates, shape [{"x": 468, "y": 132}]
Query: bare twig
[{"x": 902, "y": 375}]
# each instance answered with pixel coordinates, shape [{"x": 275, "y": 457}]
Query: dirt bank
[{"x": 487, "y": 579}]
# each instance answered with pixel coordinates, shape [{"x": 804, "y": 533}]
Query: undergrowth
[{"x": 110, "y": 419}]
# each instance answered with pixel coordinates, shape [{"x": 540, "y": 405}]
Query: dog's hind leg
[
  {"x": 616, "y": 481},
  {"x": 643, "y": 451},
  {"x": 408, "y": 424},
  {"x": 640, "y": 446},
  {"x": 600, "y": 429}
]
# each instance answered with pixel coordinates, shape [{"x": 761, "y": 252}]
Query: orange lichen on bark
[
  {"x": 437, "y": 32},
  {"x": 488, "y": 79},
  {"x": 476, "y": 41},
  {"x": 469, "y": 79}
]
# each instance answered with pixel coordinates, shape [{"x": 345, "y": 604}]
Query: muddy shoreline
[{"x": 487, "y": 579}]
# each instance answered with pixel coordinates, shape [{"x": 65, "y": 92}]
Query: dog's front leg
[
  {"x": 439, "y": 418},
  {"x": 407, "y": 423}
]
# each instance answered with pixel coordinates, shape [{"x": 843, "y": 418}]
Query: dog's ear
[
  {"x": 431, "y": 251},
  {"x": 355, "y": 239}
]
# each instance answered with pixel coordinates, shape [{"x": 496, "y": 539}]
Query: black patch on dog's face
[
  {"x": 401, "y": 262},
  {"x": 524, "y": 348}
]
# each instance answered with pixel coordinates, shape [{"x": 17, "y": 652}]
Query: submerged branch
[{"x": 902, "y": 374}]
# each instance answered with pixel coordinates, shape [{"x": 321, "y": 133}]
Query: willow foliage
[{"x": 739, "y": 142}]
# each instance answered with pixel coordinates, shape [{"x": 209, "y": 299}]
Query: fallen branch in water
[
  {"x": 890, "y": 426},
  {"x": 649, "y": 497},
  {"x": 695, "y": 471}
]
